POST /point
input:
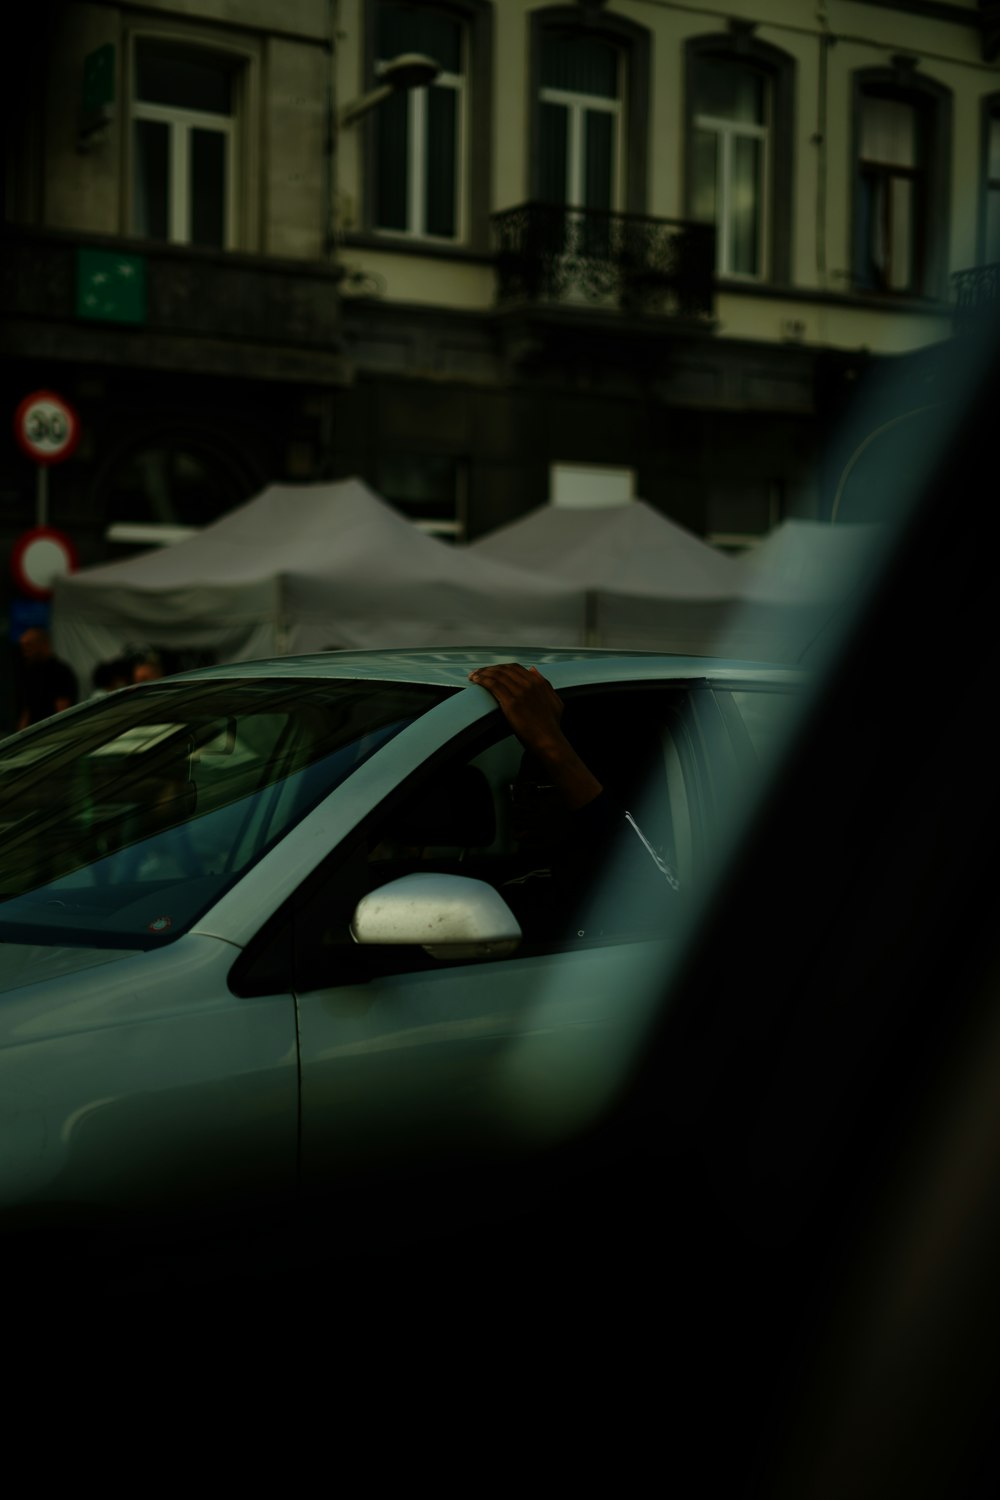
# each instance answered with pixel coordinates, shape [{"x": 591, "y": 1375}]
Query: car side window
[
  {"x": 769, "y": 718},
  {"x": 489, "y": 814}
]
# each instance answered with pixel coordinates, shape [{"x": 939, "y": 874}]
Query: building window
[
  {"x": 739, "y": 514},
  {"x": 590, "y": 486},
  {"x": 989, "y": 247},
  {"x": 590, "y": 111},
  {"x": 740, "y": 99},
  {"x": 429, "y": 489},
  {"x": 581, "y": 122},
  {"x": 184, "y": 144},
  {"x": 421, "y": 132},
  {"x": 730, "y": 155},
  {"x": 902, "y": 150},
  {"x": 168, "y": 487},
  {"x": 890, "y": 195},
  {"x": 429, "y": 152}
]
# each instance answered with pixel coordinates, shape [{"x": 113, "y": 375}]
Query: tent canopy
[
  {"x": 627, "y": 549},
  {"x": 812, "y": 560},
  {"x": 330, "y": 565},
  {"x": 653, "y": 585},
  {"x": 304, "y": 568}
]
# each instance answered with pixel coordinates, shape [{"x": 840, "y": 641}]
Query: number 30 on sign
[{"x": 46, "y": 427}]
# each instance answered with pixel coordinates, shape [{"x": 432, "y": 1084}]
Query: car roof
[{"x": 450, "y": 666}]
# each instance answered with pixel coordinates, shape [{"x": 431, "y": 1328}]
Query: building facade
[{"x": 615, "y": 248}]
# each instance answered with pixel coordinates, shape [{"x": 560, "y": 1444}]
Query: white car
[{"x": 267, "y": 926}]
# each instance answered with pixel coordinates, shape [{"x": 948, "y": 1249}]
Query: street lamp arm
[
  {"x": 365, "y": 103},
  {"x": 411, "y": 70}
]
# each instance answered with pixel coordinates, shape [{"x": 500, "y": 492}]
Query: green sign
[
  {"x": 98, "y": 80},
  {"x": 110, "y": 287}
]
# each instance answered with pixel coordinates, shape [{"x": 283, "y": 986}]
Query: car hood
[{"x": 32, "y": 963}]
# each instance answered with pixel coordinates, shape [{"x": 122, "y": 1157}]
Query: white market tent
[
  {"x": 630, "y": 548},
  {"x": 653, "y": 585},
  {"x": 822, "y": 569},
  {"x": 814, "y": 559},
  {"x": 307, "y": 568},
  {"x": 330, "y": 565}
]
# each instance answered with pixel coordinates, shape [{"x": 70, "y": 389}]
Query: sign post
[{"x": 47, "y": 429}]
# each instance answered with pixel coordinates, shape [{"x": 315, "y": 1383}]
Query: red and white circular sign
[
  {"x": 39, "y": 557},
  {"x": 46, "y": 427}
]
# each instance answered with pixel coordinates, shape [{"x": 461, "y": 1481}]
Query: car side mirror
[{"x": 449, "y": 916}]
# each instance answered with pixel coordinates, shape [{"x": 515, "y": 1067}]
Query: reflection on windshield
[{"x": 124, "y": 824}]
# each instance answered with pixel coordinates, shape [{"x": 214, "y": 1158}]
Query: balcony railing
[
  {"x": 627, "y": 262},
  {"x": 976, "y": 290}
]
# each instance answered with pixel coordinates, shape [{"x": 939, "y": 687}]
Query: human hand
[
  {"x": 534, "y": 709},
  {"x": 527, "y": 700}
]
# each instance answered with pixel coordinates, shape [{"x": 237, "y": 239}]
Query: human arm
[
  {"x": 601, "y": 862},
  {"x": 533, "y": 709}
]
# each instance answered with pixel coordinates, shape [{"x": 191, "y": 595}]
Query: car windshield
[{"x": 121, "y": 825}]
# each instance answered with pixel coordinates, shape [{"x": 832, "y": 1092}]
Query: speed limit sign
[{"x": 46, "y": 427}]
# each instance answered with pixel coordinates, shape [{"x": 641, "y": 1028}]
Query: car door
[
  {"x": 403, "y": 1055},
  {"x": 135, "y": 1083}
]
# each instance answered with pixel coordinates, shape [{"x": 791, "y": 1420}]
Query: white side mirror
[{"x": 449, "y": 916}]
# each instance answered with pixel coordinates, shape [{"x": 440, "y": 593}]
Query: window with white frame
[
  {"x": 902, "y": 180},
  {"x": 890, "y": 194},
  {"x": 740, "y": 132},
  {"x": 184, "y": 144},
  {"x": 421, "y": 132},
  {"x": 581, "y": 123},
  {"x": 580, "y": 135},
  {"x": 730, "y": 156},
  {"x": 588, "y": 141}
]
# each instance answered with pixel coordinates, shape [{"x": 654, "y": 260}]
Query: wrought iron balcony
[
  {"x": 976, "y": 290},
  {"x": 554, "y": 254}
]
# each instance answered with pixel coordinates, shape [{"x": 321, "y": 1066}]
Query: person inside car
[{"x": 599, "y": 835}]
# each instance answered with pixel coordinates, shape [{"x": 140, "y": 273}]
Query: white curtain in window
[
  {"x": 730, "y": 151},
  {"x": 888, "y": 132}
]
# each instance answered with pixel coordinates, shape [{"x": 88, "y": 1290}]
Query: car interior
[{"x": 491, "y": 814}]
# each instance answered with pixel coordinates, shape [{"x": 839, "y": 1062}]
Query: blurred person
[
  {"x": 108, "y": 676},
  {"x": 47, "y": 684},
  {"x": 148, "y": 668}
]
